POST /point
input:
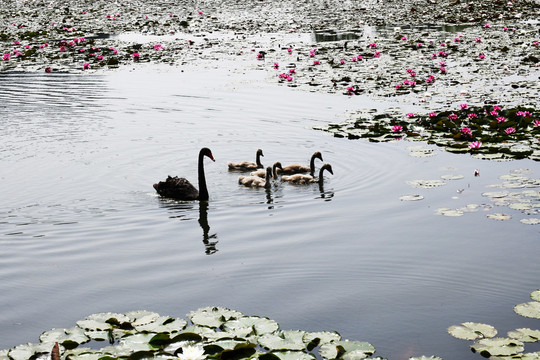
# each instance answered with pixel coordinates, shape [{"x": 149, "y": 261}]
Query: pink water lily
[
  {"x": 432, "y": 114},
  {"x": 536, "y": 123},
  {"x": 86, "y": 66},
  {"x": 48, "y": 69},
  {"x": 397, "y": 128},
  {"x": 136, "y": 56},
  {"x": 510, "y": 130},
  {"x": 501, "y": 119},
  {"x": 292, "y": 71},
  {"x": 276, "y": 65},
  {"x": 342, "y": 62},
  {"x": 398, "y": 85},
  {"x": 463, "y": 106},
  {"x": 472, "y": 116},
  {"x": 6, "y": 56},
  {"x": 453, "y": 117},
  {"x": 404, "y": 38},
  {"x": 372, "y": 45},
  {"x": 158, "y": 47},
  {"x": 410, "y": 115},
  {"x": 316, "y": 62},
  {"x": 481, "y": 56},
  {"x": 478, "y": 40},
  {"x": 525, "y": 114},
  {"x": 377, "y": 54},
  {"x": 475, "y": 145},
  {"x": 466, "y": 131}
]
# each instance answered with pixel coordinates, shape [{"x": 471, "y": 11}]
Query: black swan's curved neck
[
  {"x": 258, "y": 159},
  {"x": 203, "y": 190},
  {"x": 316, "y": 155}
]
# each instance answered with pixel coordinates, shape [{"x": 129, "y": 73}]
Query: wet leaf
[
  {"x": 260, "y": 325},
  {"x": 497, "y": 347},
  {"x": 163, "y": 324},
  {"x": 535, "y": 295},
  {"x": 102, "y": 321},
  {"x": 292, "y": 355},
  {"x": 213, "y": 316},
  {"x": 451, "y": 177},
  {"x": 472, "y": 331},
  {"x": 347, "y": 350},
  {"x": 75, "y": 335},
  {"x": 499, "y": 216},
  {"x": 449, "y": 212},
  {"x": 283, "y": 340},
  {"x": 525, "y": 335},
  {"x": 530, "y": 309},
  {"x": 530, "y": 221}
]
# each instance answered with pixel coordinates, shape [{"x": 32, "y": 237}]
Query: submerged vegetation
[{"x": 221, "y": 333}]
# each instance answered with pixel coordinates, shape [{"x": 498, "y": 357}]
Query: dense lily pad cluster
[
  {"x": 211, "y": 333},
  {"x": 503, "y": 348},
  {"x": 487, "y": 132}
]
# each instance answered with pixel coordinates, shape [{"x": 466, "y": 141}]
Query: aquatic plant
[{"x": 211, "y": 333}]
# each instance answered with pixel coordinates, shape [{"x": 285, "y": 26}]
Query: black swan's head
[
  {"x": 259, "y": 152},
  {"x": 206, "y": 152},
  {"x": 328, "y": 168},
  {"x": 317, "y": 155}
]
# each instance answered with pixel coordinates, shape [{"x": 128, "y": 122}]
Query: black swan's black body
[{"x": 181, "y": 188}]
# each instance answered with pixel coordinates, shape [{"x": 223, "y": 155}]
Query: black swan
[
  {"x": 248, "y": 165},
  {"x": 262, "y": 172},
  {"x": 256, "y": 181},
  {"x": 302, "y": 179},
  {"x": 181, "y": 188},
  {"x": 298, "y": 168}
]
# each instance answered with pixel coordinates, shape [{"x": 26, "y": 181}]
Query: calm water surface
[{"x": 82, "y": 231}]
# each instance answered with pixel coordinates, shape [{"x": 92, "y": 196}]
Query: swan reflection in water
[{"x": 183, "y": 211}]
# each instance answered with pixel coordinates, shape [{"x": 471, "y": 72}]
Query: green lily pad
[
  {"x": 452, "y": 177},
  {"x": 520, "y": 206},
  {"x": 472, "y": 331},
  {"x": 496, "y": 194},
  {"x": 213, "y": 316},
  {"x": 426, "y": 184},
  {"x": 69, "y": 338},
  {"x": 497, "y": 347},
  {"x": 525, "y": 335},
  {"x": 102, "y": 321},
  {"x": 530, "y": 309},
  {"x": 259, "y": 325},
  {"x": 349, "y": 350},
  {"x": 449, "y": 212},
  {"x": 283, "y": 340},
  {"x": 322, "y": 337},
  {"x": 163, "y": 324},
  {"x": 27, "y": 351},
  {"x": 535, "y": 295},
  {"x": 530, "y": 221},
  {"x": 287, "y": 355},
  {"x": 499, "y": 216},
  {"x": 138, "y": 342},
  {"x": 141, "y": 317}
]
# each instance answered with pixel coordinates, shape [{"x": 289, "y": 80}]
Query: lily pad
[
  {"x": 69, "y": 338},
  {"x": 213, "y": 316},
  {"x": 163, "y": 324},
  {"x": 141, "y": 317},
  {"x": 535, "y": 295},
  {"x": 287, "y": 355},
  {"x": 283, "y": 340},
  {"x": 452, "y": 177},
  {"x": 426, "y": 184},
  {"x": 102, "y": 321},
  {"x": 499, "y": 216},
  {"x": 497, "y": 347},
  {"x": 525, "y": 335},
  {"x": 530, "y": 221},
  {"x": 449, "y": 212},
  {"x": 27, "y": 351},
  {"x": 349, "y": 350},
  {"x": 259, "y": 325},
  {"x": 472, "y": 331},
  {"x": 530, "y": 309}
]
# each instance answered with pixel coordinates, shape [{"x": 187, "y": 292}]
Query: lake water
[{"x": 82, "y": 230}]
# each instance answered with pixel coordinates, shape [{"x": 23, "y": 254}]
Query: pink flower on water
[
  {"x": 136, "y": 56},
  {"x": 289, "y": 78},
  {"x": 453, "y": 117},
  {"x": 481, "y": 56},
  {"x": 200, "y": 13},
  {"x": 462, "y": 106},
  {"x": 377, "y": 54},
  {"x": 487, "y": 26},
  {"x": 316, "y": 62},
  {"x": 475, "y": 145},
  {"x": 158, "y": 47},
  {"x": 466, "y": 131},
  {"x": 62, "y": 48},
  {"x": 82, "y": 50},
  {"x": 354, "y": 59},
  {"x": 276, "y": 65},
  {"x": 48, "y": 69},
  {"x": 432, "y": 114},
  {"x": 419, "y": 44},
  {"x": 359, "y": 57},
  {"x": 535, "y": 43},
  {"x": 478, "y": 40},
  {"x": 472, "y": 115},
  {"x": 404, "y": 38},
  {"x": 342, "y": 62},
  {"x": 410, "y": 115},
  {"x": 86, "y": 66},
  {"x": 494, "y": 113},
  {"x": 497, "y": 108},
  {"x": 289, "y": 50},
  {"x": 398, "y": 85},
  {"x": 442, "y": 70},
  {"x": 501, "y": 119},
  {"x": 397, "y": 128},
  {"x": 510, "y": 130},
  {"x": 6, "y": 56},
  {"x": 536, "y": 123},
  {"x": 456, "y": 40},
  {"x": 100, "y": 57},
  {"x": 442, "y": 63},
  {"x": 525, "y": 114},
  {"x": 292, "y": 71},
  {"x": 372, "y": 45}
]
